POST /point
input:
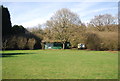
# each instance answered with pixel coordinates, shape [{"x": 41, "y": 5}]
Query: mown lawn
[{"x": 59, "y": 64}]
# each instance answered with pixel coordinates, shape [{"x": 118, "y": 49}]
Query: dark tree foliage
[
  {"x": 16, "y": 29},
  {"x": 17, "y": 37},
  {"x": 6, "y": 22},
  {"x": 21, "y": 39}
]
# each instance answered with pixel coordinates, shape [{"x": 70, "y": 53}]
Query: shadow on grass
[{"x": 12, "y": 54}]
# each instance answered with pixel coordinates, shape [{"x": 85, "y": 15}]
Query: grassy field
[{"x": 59, "y": 64}]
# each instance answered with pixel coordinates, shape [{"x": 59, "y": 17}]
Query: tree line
[{"x": 101, "y": 33}]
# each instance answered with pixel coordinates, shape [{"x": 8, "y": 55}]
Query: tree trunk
[{"x": 63, "y": 45}]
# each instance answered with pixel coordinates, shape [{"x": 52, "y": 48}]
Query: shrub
[
  {"x": 9, "y": 42},
  {"x": 31, "y": 43},
  {"x": 21, "y": 42},
  {"x": 102, "y": 40},
  {"x": 92, "y": 41},
  {"x": 109, "y": 40}
]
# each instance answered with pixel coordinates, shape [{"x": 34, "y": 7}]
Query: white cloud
[
  {"x": 30, "y": 18},
  {"x": 32, "y": 23},
  {"x": 82, "y": 6},
  {"x": 35, "y": 22},
  {"x": 103, "y": 9},
  {"x": 86, "y": 13}
]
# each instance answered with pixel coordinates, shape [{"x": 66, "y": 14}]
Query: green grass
[{"x": 59, "y": 64}]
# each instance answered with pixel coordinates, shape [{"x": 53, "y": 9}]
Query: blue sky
[{"x": 30, "y": 14}]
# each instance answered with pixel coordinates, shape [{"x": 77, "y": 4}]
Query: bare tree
[
  {"x": 102, "y": 21},
  {"x": 60, "y": 23}
]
